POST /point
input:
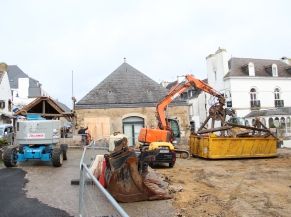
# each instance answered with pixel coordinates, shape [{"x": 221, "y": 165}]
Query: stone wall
[{"x": 103, "y": 122}]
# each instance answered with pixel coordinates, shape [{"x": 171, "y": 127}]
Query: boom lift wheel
[
  {"x": 57, "y": 157},
  {"x": 10, "y": 157}
]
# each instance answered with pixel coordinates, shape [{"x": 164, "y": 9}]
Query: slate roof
[
  {"x": 270, "y": 112},
  {"x": 171, "y": 84},
  {"x": 262, "y": 67},
  {"x": 63, "y": 106},
  {"x": 126, "y": 87},
  {"x": 14, "y": 72}
]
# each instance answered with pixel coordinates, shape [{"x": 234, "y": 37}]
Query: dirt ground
[{"x": 246, "y": 187}]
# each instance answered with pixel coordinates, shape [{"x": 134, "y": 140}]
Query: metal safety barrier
[{"x": 94, "y": 199}]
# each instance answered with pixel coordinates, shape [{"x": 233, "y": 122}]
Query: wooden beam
[
  {"x": 52, "y": 115},
  {"x": 43, "y": 107},
  {"x": 248, "y": 127},
  {"x": 214, "y": 129}
]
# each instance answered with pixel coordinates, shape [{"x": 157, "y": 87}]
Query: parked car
[{"x": 7, "y": 133}]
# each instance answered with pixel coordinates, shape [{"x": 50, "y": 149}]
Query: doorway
[{"x": 131, "y": 127}]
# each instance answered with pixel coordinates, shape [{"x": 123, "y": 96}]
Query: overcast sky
[{"x": 163, "y": 39}]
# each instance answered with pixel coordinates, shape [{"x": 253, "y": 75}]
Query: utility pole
[{"x": 74, "y": 102}]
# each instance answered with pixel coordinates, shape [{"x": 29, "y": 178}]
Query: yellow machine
[
  {"x": 159, "y": 145},
  {"x": 217, "y": 147}
]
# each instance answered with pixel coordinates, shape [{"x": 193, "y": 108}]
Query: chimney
[
  {"x": 286, "y": 60},
  {"x": 3, "y": 67}
]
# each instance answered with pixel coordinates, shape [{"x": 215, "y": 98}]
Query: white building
[
  {"x": 5, "y": 96},
  {"x": 253, "y": 87},
  {"x": 24, "y": 88}
]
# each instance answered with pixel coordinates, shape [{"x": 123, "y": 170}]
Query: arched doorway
[
  {"x": 271, "y": 123},
  {"x": 131, "y": 127},
  {"x": 277, "y": 122},
  {"x": 282, "y": 123}
]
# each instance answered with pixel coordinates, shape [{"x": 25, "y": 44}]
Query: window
[
  {"x": 277, "y": 98},
  {"x": 215, "y": 75},
  {"x": 9, "y": 105},
  {"x": 253, "y": 94},
  {"x": 247, "y": 123},
  {"x": 274, "y": 70},
  {"x": 282, "y": 122},
  {"x": 277, "y": 93},
  {"x": 2, "y": 104},
  {"x": 251, "y": 68}
]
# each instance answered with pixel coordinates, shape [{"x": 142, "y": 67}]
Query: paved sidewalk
[{"x": 13, "y": 201}]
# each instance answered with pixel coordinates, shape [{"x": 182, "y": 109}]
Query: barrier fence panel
[{"x": 94, "y": 200}]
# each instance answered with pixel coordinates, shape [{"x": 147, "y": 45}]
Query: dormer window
[
  {"x": 251, "y": 69},
  {"x": 274, "y": 70}
]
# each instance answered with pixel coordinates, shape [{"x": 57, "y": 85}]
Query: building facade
[
  {"x": 125, "y": 102},
  {"x": 5, "y": 96},
  {"x": 251, "y": 85},
  {"x": 24, "y": 89}
]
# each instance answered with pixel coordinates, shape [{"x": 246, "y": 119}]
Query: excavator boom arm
[{"x": 176, "y": 91}]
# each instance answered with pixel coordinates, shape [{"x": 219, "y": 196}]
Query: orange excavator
[
  {"x": 168, "y": 133},
  {"x": 126, "y": 173}
]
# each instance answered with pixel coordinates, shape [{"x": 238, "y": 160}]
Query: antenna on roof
[{"x": 124, "y": 59}]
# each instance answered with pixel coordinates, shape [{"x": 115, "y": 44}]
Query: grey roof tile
[
  {"x": 261, "y": 67},
  {"x": 63, "y": 106},
  {"x": 126, "y": 87}
]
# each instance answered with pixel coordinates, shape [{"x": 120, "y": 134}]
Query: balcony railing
[
  {"x": 279, "y": 103},
  {"x": 255, "y": 104}
]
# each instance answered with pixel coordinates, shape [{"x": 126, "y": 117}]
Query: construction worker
[
  {"x": 88, "y": 136},
  {"x": 82, "y": 132}
]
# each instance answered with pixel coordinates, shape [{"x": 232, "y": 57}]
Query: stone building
[{"x": 125, "y": 102}]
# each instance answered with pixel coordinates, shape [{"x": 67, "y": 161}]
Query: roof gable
[
  {"x": 125, "y": 87},
  {"x": 262, "y": 67},
  {"x": 47, "y": 107}
]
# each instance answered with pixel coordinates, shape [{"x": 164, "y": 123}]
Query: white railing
[{"x": 94, "y": 199}]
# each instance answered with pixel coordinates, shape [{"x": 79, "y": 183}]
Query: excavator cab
[{"x": 174, "y": 124}]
